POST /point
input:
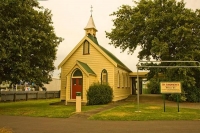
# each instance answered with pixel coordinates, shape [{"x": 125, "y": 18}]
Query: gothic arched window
[
  {"x": 118, "y": 79},
  {"x": 104, "y": 76},
  {"x": 86, "y": 47},
  {"x": 77, "y": 73}
]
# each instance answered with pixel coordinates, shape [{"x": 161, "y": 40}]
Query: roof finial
[{"x": 91, "y": 10}]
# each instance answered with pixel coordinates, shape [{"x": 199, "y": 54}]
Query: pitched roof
[
  {"x": 104, "y": 51},
  {"x": 90, "y": 24},
  {"x": 113, "y": 57},
  {"x": 86, "y": 67},
  {"x": 92, "y": 39}
]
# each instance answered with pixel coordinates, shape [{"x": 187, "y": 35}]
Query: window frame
[
  {"x": 86, "y": 50},
  {"x": 127, "y": 82},
  {"x": 104, "y": 73},
  {"x": 118, "y": 80},
  {"x": 123, "y": 80}
]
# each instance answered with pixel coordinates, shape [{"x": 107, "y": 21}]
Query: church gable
[
  {"x": 82, "y": 66},
  {"x": 88, "y": 49},
  {"x": 86, "y": 68},
  {"x": 109, "y": 54},
  {"x": 95, "y": 64},
  {"x": 92, "y": 58}
]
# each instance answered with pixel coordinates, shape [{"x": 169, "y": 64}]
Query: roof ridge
[
  {"x": 86, "y": 67},
  {"x": 112, "y": 56}
]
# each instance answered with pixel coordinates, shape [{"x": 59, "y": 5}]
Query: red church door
[{"x": 76, "y": 86}]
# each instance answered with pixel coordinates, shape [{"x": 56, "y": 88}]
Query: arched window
[
  {"x": 104, "y": 76},
  {"x": 118, "y": 79},
  {"x": 77, "y": 73},
  {"x": 86, "y": 47},
  {"x": 123, "y": 82},
  {"x": 127, "y": 80}
]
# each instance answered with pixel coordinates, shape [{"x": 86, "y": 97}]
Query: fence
[{"x": 26, "y": 95}]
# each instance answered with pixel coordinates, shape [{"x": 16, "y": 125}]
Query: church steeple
[{"x": 90, "y": 28}]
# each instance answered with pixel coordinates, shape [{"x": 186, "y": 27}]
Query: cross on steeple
[
  {"x": 91, "y": 10},
  {"x": 90, "y": 27}
]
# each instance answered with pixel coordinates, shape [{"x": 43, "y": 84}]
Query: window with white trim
[
  {"x": 118, "y": 79},
  {"x": 123, "y": 80},
  {"x": 86, "y": 48},
  {"x": 127, "y": 82},
  {"x": 104, "y": 76}
]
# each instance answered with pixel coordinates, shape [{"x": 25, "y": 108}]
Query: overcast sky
[{"x": 71, "y": 16}]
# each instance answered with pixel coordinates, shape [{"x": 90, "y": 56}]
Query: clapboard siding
[
  {"x": 63, "y": 86},
  {"x": 95, "y": 60},
  {"x": 121, "y": 92}
]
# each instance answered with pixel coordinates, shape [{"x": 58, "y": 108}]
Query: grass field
[
  {"x": 124, "y": 112},
  {"x": 39, "y": 108},
  {"x": 128, "y": 112}
]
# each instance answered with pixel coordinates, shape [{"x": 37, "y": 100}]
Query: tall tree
[
  {"x": 28, "y": 42},
  {"x": 165, "y": 30}
]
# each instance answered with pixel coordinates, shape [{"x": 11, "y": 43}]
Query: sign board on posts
[{"x": 170, "y": 87}]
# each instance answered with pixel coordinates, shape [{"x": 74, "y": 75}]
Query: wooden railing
[{"x": 26, "y": 95}]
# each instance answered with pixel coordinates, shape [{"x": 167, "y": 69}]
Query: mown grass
[
  {"x": 128, "y": 112},
  {"x": 39, "y": 108}
]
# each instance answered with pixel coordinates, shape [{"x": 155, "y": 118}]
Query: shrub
[
  {"x": 173, "y": 97},
  {"x": 99, "y": 94},
  {"x": 193, "y": 94}
]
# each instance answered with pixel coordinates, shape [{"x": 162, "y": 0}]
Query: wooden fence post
[
  {"x": 37, "y": 95},
  {"x": 54, "y": 94},
  {"x": 46, "y": 94},
  {"x": 14, "y": 97},
  {"x": 5, "y": 97},
  {"x": 26, "y": 96}
]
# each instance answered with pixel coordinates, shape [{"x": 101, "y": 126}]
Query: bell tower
[{"x": 90, "y": 27}]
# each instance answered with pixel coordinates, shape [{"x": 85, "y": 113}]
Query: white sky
[{"x": 71, "y": 16}]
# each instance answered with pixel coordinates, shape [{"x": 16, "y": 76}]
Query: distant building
[
  {"x": 53, "y": 85},
  {"x": 4, "y": 85}
]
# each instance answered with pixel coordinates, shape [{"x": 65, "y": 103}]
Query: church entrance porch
[{"x": 142, "y": 82}]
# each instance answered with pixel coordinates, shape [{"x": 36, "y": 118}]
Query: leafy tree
[
  {"x": 28, "y": 43},
  {"x": 165, "y": 30},
  {"x": 154, "y": 86}
]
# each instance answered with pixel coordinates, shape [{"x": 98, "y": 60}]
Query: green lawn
[
  {"x": 39, "y": 108},
  {"x": 128, "y": 112}
]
